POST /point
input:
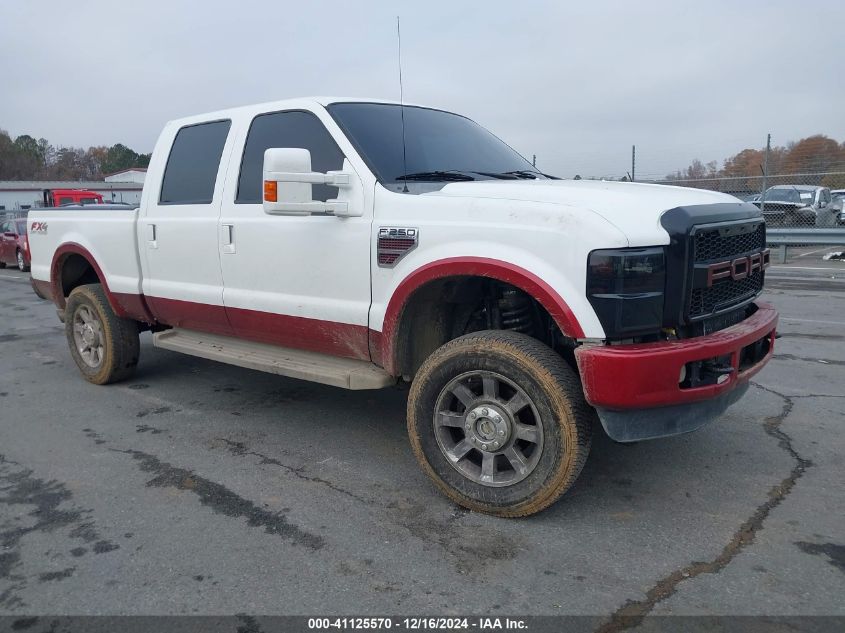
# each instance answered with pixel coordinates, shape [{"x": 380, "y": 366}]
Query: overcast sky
[{"x": 574, "y": 83}]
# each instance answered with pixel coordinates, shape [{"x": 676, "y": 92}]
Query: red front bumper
[{"x": 646, "y": 375}]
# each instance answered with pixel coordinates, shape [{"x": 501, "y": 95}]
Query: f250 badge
[
  {"x": 38, "y": 227},
  {"x": 394, "y": 243}
]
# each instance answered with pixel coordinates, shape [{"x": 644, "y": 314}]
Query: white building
[
  {"x": 20, "y": 195},
  {"x": 135, "y": 174}
]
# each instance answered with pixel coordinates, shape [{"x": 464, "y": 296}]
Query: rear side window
[
  {"x": 287, "y": 129},
  {"x": 65, "y": 201},
  {"x": 193, "y": 163}
]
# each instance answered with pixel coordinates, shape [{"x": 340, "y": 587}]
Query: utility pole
[
  {"x": 633, "y": 162},
  {"x": 765, "y": 171}
]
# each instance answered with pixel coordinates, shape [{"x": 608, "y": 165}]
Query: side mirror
[{"x": 287, "y": 184}]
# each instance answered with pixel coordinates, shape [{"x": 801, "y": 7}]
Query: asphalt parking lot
[{"x": 198, "y": 488}]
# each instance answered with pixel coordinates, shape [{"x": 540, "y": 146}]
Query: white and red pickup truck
[{"x": 363, "y": 243}]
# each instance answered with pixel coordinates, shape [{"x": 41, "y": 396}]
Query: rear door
[{"x": 178, "y": 230}]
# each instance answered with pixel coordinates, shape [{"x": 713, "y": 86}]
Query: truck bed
[{"x": 108, "y": 233}]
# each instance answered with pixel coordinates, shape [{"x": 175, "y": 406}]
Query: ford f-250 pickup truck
[{"x": 365, "y": 243}]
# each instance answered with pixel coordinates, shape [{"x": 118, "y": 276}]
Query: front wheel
[
  {"x": 499, "y": 422},
  {"x": 104, "y": 346}
]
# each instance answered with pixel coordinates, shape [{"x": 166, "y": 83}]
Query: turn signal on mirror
[{"x": 271, "y": 193}]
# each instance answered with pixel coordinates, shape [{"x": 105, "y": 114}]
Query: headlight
[{"x": 625, "y": 286}]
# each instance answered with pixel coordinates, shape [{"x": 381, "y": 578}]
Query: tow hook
[
  {"x": 714, "y": 371},
  {"x": 717, "y": 370}
]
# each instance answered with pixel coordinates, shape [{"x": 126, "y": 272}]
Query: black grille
[
  {"x": 713, "y": 244},
  {"x": 716, "y": 244},
  {"x": 724, "y": 294}
]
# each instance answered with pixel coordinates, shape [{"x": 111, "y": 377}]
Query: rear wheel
[
  {"x": 104, "y": 346},
  {"x": 499, "y": 422}
]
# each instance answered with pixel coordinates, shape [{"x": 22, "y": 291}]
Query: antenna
[{"x": 402, "y": 110}]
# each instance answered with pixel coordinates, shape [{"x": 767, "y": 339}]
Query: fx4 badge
[
  {"x": 38, "y": 227},
  {"x": 394, "y": 243}
]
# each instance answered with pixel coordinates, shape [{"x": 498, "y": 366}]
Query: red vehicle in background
[
  {"x": 14, "y": 245},
  {"x": 62, "y": 197}
]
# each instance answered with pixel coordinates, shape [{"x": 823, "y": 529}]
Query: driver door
[{"x": 300, "y": 281}]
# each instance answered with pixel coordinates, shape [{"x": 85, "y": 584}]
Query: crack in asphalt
[
  {"x": 18, "y": 487},
  {"x": 240, "y": 449},
  {"x": 821, "y": 361},
  {"x": 221, "y": 500},
  {"x": 633, "y": 612},
  {"x": 835, "y": 553}
]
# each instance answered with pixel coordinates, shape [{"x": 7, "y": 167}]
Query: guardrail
[{"x": 786, "y": 237}]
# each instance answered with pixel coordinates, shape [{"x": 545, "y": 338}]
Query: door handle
[
  {"x": 227, "y": 238},
  {"x": 151, "y": 236}
]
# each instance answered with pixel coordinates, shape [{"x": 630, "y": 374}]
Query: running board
[{"x": 294, "y": 363}]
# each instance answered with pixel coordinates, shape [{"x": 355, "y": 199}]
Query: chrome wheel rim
[
  {"x": 21, "y": 263},
  {"x": 88, "y": 336},
  {"x": 488, "y": 429}
]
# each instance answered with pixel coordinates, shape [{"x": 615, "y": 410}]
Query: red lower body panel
[
  {"x": 189, "y": 315},
  {"x": 42, "y": 288},
  {"x": 315, "y": 335},
  {"x": 641, "y": 376}
]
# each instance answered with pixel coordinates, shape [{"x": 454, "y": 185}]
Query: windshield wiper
[
  {"x": 437, "y": 176},
  {"x": 522, "y": 173}
]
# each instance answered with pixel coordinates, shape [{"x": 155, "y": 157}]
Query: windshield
[
  {"x": 436, "y": 143},
  {"x": 783, "y": 195}
]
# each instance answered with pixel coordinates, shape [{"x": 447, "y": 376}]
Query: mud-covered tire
[
  {"x": 115, "y": 339},
  {"x": 555, "y": 394}
]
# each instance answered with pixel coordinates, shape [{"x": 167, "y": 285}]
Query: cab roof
[{"x": 268, "y": 106}]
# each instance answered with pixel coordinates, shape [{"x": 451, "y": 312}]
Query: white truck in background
[{"x": 361, "y": 243}]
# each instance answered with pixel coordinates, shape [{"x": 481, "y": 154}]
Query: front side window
[
  {"x": 436, "y": 144},
  {"x": 193, "y": 163},
  {"x": 287, "y": 129}
]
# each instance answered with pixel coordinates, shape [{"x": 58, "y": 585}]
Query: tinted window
[
  {"x": 88, "y": 200},
  {"x": 435, "y": 141},
  {"x": 287, "y": 129},
  {"x": 193, "y": 163},
  {"x": 65, "y": 201}
]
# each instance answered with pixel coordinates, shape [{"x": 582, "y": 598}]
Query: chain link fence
[
  {"x": 787, "y": 200},
  {"x": 800, "y": 184}
]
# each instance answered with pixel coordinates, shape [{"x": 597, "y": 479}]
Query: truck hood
[
  {"x": 782, "y": 206},
  {"x": 634, "y": 208}
]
